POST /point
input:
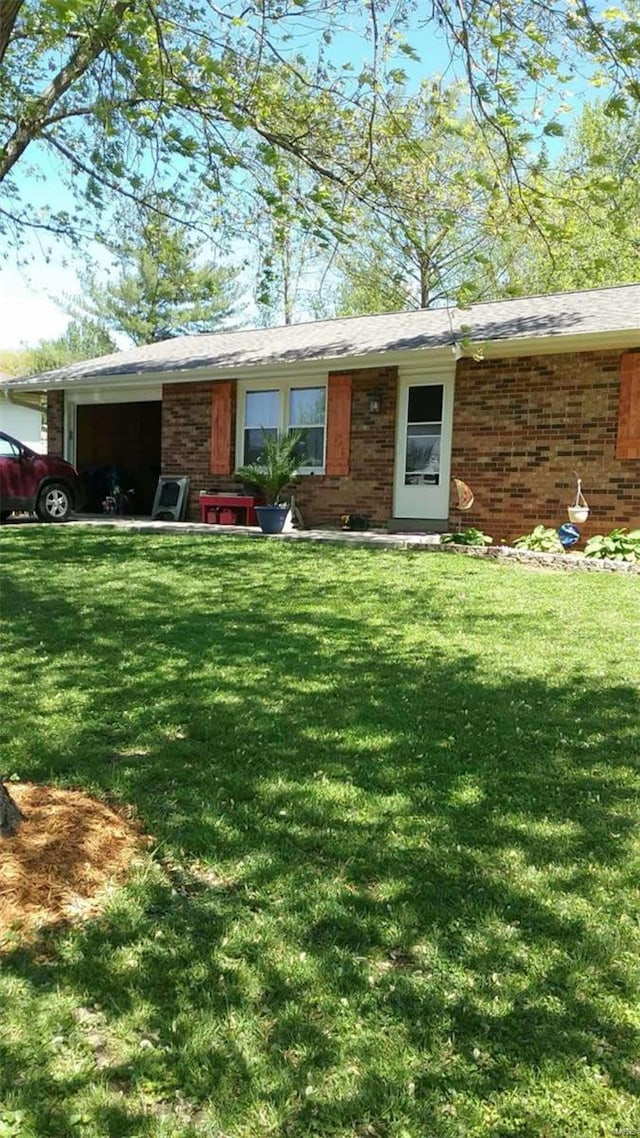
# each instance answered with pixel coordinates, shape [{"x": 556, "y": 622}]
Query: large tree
[
  {"x": 126, "y": 95},
  {"x": 136, "y": 98},
  {"x": 161, "y": 285},
  {"x": 592, "y": 226},
  {"x": 429, "y": 231},
  {"x": 288, "y": 251},
  {"x": 83, "y": 340}
]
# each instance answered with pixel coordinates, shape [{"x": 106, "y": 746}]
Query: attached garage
[{"x": 117, "y": 443}]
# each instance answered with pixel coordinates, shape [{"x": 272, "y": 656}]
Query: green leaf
[{"x": 553, "y": 128}]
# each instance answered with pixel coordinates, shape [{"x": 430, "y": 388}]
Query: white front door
[{"x": 423, "y": 445}]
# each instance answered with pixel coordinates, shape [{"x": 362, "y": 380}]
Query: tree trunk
[
  {"x": 30, "y": 126},
  {"x": 11, "y": 817},
  {"x": 9, "y": 11},
  {"x": 425, "y": 282}
]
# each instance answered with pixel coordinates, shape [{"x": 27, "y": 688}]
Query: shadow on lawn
[{"x": 415, "y": 830}]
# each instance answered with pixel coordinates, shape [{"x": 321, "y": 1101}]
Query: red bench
[{"x": 228, "y": 509}]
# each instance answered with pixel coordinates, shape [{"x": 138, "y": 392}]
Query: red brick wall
[
  {"x": 55, "y": 423},
  {"x": 186, "y": 426},
  {"x": 186, "y": 440},
  {"x": 522, "y": 426},
  {"x": 368, "y": 488}
]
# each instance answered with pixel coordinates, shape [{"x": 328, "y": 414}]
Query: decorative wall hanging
[{"x": 579, "y": 511}]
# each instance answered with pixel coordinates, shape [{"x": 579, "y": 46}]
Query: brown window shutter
[
  {"x": 338, "y": 424},
  {"x": 221, "y": 426},
  {"x": 628, "y": 442}
]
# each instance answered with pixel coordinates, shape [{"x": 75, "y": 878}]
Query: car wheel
[{"x": 54, "y": 503}]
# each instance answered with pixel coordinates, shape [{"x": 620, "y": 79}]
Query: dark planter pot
[{"x": 272, "y": 518}]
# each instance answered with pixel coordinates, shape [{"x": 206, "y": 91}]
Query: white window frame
[{"x": 284, "y": 388}]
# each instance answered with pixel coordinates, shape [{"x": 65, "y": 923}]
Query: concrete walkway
[{"x": 325, "y": 537}]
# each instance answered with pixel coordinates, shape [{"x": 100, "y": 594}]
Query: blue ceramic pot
[{"x": 272, "y": 518}]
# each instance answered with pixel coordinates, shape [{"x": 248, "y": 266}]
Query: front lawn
[{"x": 393, "y": 796}]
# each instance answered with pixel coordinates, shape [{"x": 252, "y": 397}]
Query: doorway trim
[
  {"x": 74, "y": 399},
  {"x": 430, "y": 503}
]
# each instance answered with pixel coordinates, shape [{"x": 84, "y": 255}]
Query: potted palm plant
[{"x": 277, "y": 466}]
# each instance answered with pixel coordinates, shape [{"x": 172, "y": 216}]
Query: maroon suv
[{"x": 40, "y": 482}]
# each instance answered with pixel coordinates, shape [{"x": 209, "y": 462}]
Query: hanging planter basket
[{"x": 579, "y": 511}]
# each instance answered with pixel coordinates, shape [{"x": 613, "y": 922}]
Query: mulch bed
[{"x": 69, "y": 851}]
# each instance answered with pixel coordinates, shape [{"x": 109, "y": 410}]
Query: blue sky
[
  {"x": 33, "y": 290},
  {"x": 40, "y": 274},
  {"x": 28, "y": 311}
]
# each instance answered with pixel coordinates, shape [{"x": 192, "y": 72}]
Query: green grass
[{"x": 394, "y": 891}]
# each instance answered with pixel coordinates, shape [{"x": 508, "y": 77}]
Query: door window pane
[
  {"x": 425, "y": 403},
  {"x": 424, "y": 428},
  {"x": 423, "y": 460}
]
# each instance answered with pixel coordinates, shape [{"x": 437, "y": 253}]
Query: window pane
[
  {"x": 306, "y": 407},
  {"x": 423, "y": 460},
  {"x": 415, "y": 430},
  {"x": 262, "y": 409},
  {"x": 312, "y": 447},
  {"x": 425, "y": 403},
  {"x": 254, "y": 442}
]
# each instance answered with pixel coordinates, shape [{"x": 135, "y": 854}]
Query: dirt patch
[{"x": 68, "y": 853}]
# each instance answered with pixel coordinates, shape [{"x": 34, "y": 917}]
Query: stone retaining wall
[{"x": 563, "y": 561}]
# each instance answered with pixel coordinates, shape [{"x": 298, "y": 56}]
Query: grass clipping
[{"x": 69, "y": 851}]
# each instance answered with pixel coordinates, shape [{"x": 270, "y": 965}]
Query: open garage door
[{"x": 120, "y": 441}]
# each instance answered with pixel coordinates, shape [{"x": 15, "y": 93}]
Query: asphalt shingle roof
[{"x": 525, "y": 318}]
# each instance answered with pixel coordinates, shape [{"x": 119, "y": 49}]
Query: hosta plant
[
  {"x": 469, "y": 536},
  {"x": 542, "y": 539},
  {"x": 617, "y": 545}
]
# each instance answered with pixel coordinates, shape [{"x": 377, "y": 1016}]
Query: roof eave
[
  {"x": 558, "y": 344},
  {"x": 489, "y": 349}
]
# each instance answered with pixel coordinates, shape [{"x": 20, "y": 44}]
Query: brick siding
[
  {"x": 186, "y": 441},
  {"x": 368, "y": 489},
  {"x": 55, "y": 423},
  {"x": 520, "y": 429}
]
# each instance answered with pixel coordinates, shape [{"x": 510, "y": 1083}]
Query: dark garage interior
[{"x": 118, "y": 455}]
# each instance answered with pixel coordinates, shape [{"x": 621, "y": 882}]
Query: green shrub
[
  {"x": 618, "y": 545},
  {"x": 541, "y": 540},
  {"x": 466, "y": 537}
]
